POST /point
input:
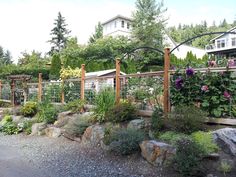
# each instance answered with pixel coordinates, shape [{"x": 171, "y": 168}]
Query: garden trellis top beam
[{"x": 21, "y": 77}]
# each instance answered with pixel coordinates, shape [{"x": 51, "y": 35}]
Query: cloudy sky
[{"x": 26, "y": 24}]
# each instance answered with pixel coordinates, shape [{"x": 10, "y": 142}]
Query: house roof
[
  {"x": 223, "y": 34},
  {"x": 116, "y": 17},
  {"x": 101, "y": 73}
]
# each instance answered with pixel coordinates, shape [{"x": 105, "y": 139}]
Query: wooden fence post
[
  {"x": 117, "y": 81},
  {"x": 0, "y": 89},
  {"x": 166, "y": 80},
  {"x": 13, "y": 93},
  {"x": 82, "y": 82},
  {"x": 62, "y": 91},
  {"x": 40, "y": 88}
]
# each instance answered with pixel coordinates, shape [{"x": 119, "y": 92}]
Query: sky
[{"x": 26, "y": 24}]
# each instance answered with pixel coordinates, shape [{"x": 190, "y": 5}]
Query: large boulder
[
  {"x": 93, "y": 135},
  {"x": 137, "y": 124},
  {"x": 157, "y": 153},
  {"x": 63, "y": 118},
  {"x": 38, "y": 128},
  {"x": 53, "y": 132},
  {"x": 226, "y": 139},
  {"x": 18, "y": 119}
]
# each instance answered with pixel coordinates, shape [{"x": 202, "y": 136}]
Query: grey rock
[
  {"x": 53, "y": 132},
  {"x": 63, "y": 114},
  {"x": 157, "y": 153},
  {"x": 38, "y": 128},
  {"x": 212, "y": 156},
  {"x": 137, "y": 124},
  {"x": 226, "y": 139},
  {"x": 93, "y": 135},
  {"x": 210, "y": 175},
  {"x": 17, "y": 119}
]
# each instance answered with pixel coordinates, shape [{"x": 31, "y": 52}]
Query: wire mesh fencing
[
  {"x": 145, "y": 90},
  {"x": 95, "y": 84},
  {"x": 72, "y": 89},
  {"x": 51, "y": 91},
  {"x": 6, "y": 92},
  {"x": 32, "y": 92}
]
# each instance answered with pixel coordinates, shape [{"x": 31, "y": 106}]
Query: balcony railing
[{"x": 213, "y": 47}]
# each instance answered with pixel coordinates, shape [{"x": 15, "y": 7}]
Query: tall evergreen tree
[
  {"x": 1, "y": 52},
  {"x": 7, "y": 58},
  {"x": 148, "y": 28},
  {"x": 60, "y": 34},
  {"x": 98, "y": 33}
]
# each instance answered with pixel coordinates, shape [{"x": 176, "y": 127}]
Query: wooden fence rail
[{"x": 118, "y": 78}]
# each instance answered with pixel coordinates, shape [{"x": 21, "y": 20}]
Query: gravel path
[{"x": 38, "y": 156}]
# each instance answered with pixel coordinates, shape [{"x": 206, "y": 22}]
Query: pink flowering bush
[{"x": 213, "y": 92}]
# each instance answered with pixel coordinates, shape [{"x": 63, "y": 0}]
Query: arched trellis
[
  {"x": 167, "y": 52},
  {"x": 118, "y": 62}
]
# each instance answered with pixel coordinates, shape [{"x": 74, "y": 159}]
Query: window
[
  {"x": 115, "y": 24},
  {"x": 128, "y": 25},
  {"x": 221, "y": 43},
  {"x": 122, "y": 24},
  {"x": 233, "y": 41}
]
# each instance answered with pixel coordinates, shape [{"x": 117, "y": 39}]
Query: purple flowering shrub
[{"x": 212, "y": 92}]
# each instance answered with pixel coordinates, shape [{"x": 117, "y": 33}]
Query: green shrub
[
  {"x": 26, "y": 126},
  {"x": 157, "y": 119},
  {"x": 205, "y": 141},
  {"x": 121, "y": 112},
  {"x": 78, "y": 126},
  {"x": 46, "y": 113},
  {"x": 104, "y": 101},
  {"x": 10, "y": 128},
  {"x": 188, "y": 157},
  {"x": 29, "y": 109},
  {"x": 75, "y": 106},
  {"x": 171, "y": 137},
  {"x": 6, "y": 119},
  {"x": 125, "y": 141},
  {"x": 186, "y": 119}
]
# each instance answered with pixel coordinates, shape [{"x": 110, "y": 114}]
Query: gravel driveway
[{"x": 39, "y": 156}]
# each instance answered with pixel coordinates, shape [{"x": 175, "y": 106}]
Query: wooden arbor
[{"x": 22, "y": 78}]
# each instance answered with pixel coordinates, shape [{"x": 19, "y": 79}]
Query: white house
[
  {"x": 120, "y": 25},
  {"x": 182, "y": 50},
  {"x": 117, "y": 26},
  {"x": 223, "y": 45},
  {"x": 100, "y": 79}
]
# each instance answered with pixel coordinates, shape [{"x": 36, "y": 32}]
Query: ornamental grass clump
[{"x": 104, "y": 101}]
